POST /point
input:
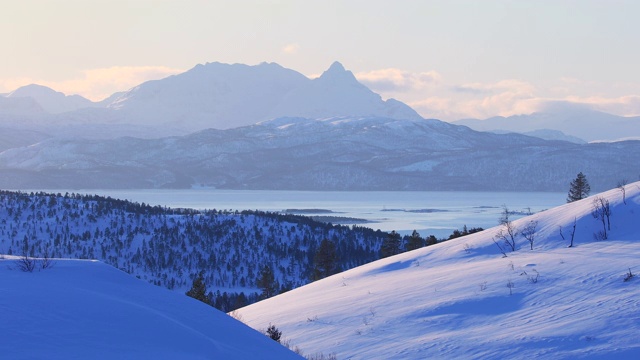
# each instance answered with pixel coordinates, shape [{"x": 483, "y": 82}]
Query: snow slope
[
  {"x": 89, "y": 310},
  {"x": 453, "y": 300}
]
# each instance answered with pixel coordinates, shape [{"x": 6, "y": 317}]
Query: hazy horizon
[{"x": 448, "y": 60}]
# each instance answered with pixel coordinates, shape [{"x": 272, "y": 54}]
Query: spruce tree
[
  {"x": 415, "y": 241},
  {"x": 325, "y": 260},
  {"x": 198, "y": 290},
  {"x": 267, "y": 283},
  {"x": 578, "y": 188},
  {"x": 390, "y": 245}
]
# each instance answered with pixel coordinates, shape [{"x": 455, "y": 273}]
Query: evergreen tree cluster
[{"x": 168, "y": 247}]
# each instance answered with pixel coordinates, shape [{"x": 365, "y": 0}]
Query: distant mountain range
[
  {"x": 213, "y": 95},
  {"x": 345, "y": 153},
  {"x": 267, "y": 127},
  {"x": 223, "y": 96},
  {"x": 574, "y": 124}
]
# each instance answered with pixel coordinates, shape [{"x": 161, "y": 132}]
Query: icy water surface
[{"x": 429, "y": 212}]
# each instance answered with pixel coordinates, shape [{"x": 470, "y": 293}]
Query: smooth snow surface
[
  {"x": 452, "y": 300},
  {"x": 89, "y": 310}
]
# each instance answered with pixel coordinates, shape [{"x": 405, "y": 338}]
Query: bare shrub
[
  {"x": 622, "y": 187},
  {"x": 507, "y": 234},
  {"x": 26, "y": 264},
  {"x": 602, "y": 211},
  {"x": 510, "y": 285},
  {"x": 529, "y": 232},
  {"x": 46, "y": 262}
]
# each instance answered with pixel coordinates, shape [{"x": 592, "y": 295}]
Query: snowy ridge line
[{"x": 373, "y": 153}]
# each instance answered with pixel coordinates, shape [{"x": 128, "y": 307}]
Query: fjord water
[{"x": 429, "y": 212}]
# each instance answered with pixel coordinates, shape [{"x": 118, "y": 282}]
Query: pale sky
[{"x": 448, "y": 59}]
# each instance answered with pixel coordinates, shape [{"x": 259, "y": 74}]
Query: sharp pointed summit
[
  {"x": 223, "y": 96},
  {"x": 335, "y": 68},
  {"x": 337, "y": 72}
]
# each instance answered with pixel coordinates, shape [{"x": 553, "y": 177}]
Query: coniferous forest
[{"x": 171, "y": 247}]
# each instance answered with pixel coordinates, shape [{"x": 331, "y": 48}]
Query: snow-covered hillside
[
  {"x": 89, "y": 310},
  {"x": 463, "y": 299},
  {"x": 340, "y": 153}
]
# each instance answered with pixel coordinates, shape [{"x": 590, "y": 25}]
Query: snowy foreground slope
[
  {"x": 89, "y": 310},
  {"x": 453, "y": 300}
]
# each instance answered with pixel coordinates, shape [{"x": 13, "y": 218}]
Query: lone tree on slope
[{"x": 578, "y": 188}]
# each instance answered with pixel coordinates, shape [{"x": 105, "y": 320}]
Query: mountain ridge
[
  {"x": 343, "y": 153},
  {"x": 583, "y": 123}
]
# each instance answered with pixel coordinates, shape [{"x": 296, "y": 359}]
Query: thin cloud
[
  {"x": 291, "y": 49},
  {"x": 387, "y": 80},
  {"x": 628, "y": 105}
]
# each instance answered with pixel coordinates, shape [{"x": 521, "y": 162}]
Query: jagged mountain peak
[
  {"x": 336, "y": 68},
  {"x": 222, "y": 96},
  {"x": 337, "y": 72}
]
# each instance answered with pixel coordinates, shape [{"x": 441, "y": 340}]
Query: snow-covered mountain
[
  {"x": 345, "y": 153},
  {"x": 223, "y": 96},
  {"x": 51, "y": 101},
  {"x": 583, "y": 123},
  {"x": 463, "y": 299},
  {"x": 88, "y": 310},
  {"x": 212, "y": 95}
]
